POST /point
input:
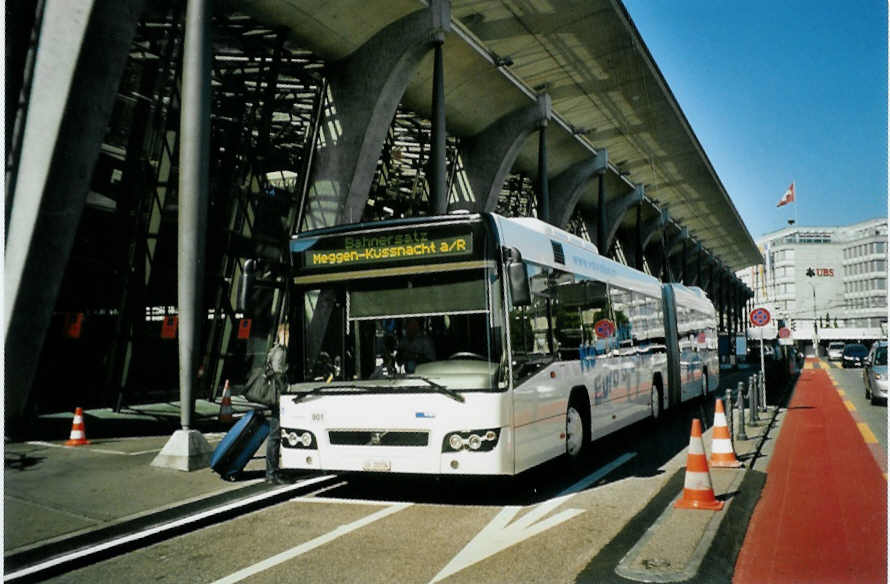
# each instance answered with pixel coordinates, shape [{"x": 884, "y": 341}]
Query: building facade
[{"x": 825, "y": 283}]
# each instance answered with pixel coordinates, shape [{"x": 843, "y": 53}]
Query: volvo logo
[{"x": 376, "y": 437}]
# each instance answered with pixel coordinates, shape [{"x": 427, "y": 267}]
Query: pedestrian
[{"x": 276, "y": 375}]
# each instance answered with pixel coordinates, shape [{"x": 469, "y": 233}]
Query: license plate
[{"x": 377, "y": 466}]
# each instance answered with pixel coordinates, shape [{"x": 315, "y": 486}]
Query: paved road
[
  {"x": 545, "y": 526},
  {"x": 874, "y": 417}
]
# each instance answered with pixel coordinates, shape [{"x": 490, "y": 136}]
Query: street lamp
[{"x": 815, "y": 322}]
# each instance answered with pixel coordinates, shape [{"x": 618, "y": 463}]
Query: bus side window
[
  {"x": 621, "y": 302},
  {"x": 531, "y": 327}
]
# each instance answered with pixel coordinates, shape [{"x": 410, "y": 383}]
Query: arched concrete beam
[
  {"x": 675, "y": 243},
  {"x": 366, "y": 88},
  {"x": 616, "y": 209},
  {"x": 566, "y": 188},
  {"x": 653, "y": 227},
  {"x": 693, "y": 264},
  {"x": 489, "y": 155}
]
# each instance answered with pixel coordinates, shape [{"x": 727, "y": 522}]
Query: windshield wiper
[
  {"x": 429, "y": 384},
  {"x": 438, "y": 387},
  {"x": 321, "y": 388}
]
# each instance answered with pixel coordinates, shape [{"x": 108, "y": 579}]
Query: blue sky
[{"x": 781, "y": 91}]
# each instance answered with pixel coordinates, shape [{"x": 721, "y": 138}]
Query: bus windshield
[{"x": 416, "y": 330}]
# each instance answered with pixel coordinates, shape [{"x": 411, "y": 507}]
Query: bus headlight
[
  {"x": 296, "y": 438},
  {"x": 475, "y": 440}
]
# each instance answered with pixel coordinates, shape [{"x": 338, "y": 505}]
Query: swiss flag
[{"x": 788, "y": 197}]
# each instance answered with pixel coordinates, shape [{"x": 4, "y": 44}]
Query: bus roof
[
  {"x": 538, "y": 242},
  {"x": 693, "y": 297}
]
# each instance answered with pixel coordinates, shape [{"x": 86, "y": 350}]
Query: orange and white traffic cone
[
  {"x": 78, "y": 436},
  {"x": 225, "y": 407},
  {"x": 722, "y": 454},
  {"x": 697, "y": 490}
]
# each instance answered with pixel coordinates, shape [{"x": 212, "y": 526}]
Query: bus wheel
[
  {"x": 577, "y": 428},
  {"x": 655, "y": 401},
  {"x": 574, "y": 432}
]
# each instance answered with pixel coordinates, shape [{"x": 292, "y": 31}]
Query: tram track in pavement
[{"x": 63, "y": 555}]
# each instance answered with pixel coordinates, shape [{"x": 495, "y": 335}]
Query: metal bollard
[
  {"x": 727, "y": 406},
  {"x": 740, "y": 395},
  {"x": 762, "y": 380},
  {"x": 752, "y": 401}
]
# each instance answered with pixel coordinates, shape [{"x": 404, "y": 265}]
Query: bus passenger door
[{"x": 539, "y": 400}]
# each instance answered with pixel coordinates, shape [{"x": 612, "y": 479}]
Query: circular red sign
[
  {"x": 784, "y": 332},
  {"x": 702, "y": 338},
  {"x": 604, "y": 328},
  {"x": 760, "y": 317}
]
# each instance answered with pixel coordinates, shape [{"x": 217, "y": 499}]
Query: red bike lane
[{"x": 822, "y": 516}]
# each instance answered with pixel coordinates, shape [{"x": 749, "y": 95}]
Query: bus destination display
[{"x": 356, "y": 250}]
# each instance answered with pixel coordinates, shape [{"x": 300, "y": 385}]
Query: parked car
[
  {"x": 875, "y": 374},
  {"x": 854, "y": 355},
  {"x": 769, "y": 352},
  {"x": 835, "y": 351}
]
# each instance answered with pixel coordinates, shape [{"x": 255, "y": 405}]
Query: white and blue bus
[{"x": 477, "y": 344}]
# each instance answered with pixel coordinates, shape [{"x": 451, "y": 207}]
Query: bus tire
[
  {"x": 577, "y": 426},
  {"x": 655, "y": 400}
]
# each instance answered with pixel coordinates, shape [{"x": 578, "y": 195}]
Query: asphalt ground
[
  {"x": 550, "y": 524},
  {"x": 871, "y": 419},
  {"x": 823, "y": 513}
]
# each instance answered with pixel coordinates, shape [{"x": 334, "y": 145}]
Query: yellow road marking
[
  {"x": 850, "y": 406},
  {"x": 868, "y": 435}
]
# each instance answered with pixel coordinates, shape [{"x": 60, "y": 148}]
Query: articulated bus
[{"x": 477, "y": 344}]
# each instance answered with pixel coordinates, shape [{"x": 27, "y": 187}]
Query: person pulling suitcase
[{"x": 276, "y": 376}]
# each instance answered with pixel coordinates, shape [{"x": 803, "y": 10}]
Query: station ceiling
[{"x": 606, "y": 90}]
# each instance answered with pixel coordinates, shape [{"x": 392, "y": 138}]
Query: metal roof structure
[{"x": 606, "y": 90}]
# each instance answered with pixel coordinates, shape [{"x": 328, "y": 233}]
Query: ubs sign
[{"x": 820, "y": 272}]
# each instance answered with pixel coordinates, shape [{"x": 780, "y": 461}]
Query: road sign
[
  {"x": 784, "y": 332},
  {"x": 760, "y": 317},
  {"x": 604, "y": 328}
]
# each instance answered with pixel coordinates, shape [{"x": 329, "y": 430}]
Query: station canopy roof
[{"x": 606, "y": 91}]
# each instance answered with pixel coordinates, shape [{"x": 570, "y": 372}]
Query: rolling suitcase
[{"x": 239, "y": 445}]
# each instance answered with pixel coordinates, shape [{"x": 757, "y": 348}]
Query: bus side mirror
[
  {"x": 518, "y": 278},
  {"x": 245, "y": 288}
]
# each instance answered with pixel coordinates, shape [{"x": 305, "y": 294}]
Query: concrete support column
[
  {"x": 84, "y": 45},
  {"x": 601, "y": 216},
  {"x": 187, "y": 449},
  {"x": 638, "y": 238},
  {"x": 438, "y": 193},
  {"x": 543, "y": 182},
  {"x": 194, "y": 179}
]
